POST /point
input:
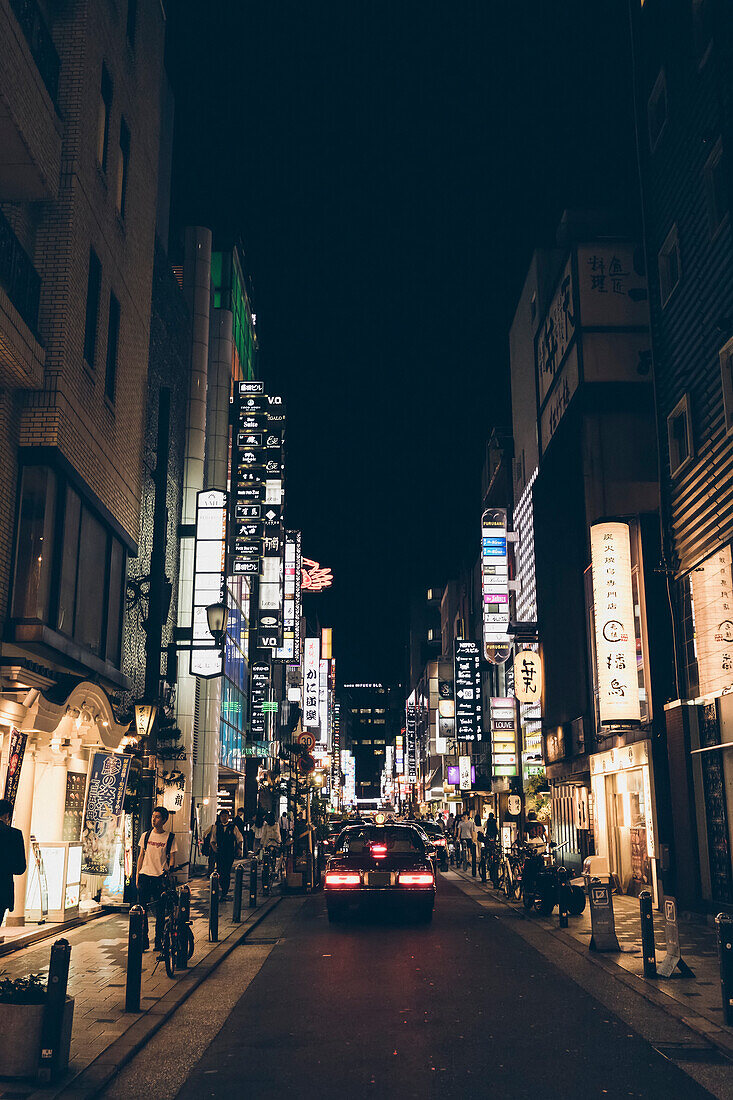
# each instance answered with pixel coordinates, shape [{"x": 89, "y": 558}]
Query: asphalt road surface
[{"x": 460, "y": 1008}]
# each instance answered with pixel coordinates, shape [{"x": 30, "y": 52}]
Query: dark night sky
[{"x": 389, "y": 166}]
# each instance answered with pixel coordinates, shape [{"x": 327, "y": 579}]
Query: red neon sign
[{"x": 314, "y": 576}]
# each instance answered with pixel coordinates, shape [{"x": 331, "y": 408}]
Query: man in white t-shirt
[{"x": 157, "y": 849}]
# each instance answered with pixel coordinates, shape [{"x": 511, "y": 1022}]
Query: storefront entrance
[{"x": 624, "y": 816}]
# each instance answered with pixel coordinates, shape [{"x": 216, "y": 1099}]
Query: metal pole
[
  {"x": 724, "y": 930},
  {"x": 134, "y": 958},
  {"x": 214, "y": 907},
  {"x": 253, "y": 883},
  {"x": 237, "y": 903},
  {"x": 562, "y": 891},
  {"x": 53, "y": 1012},
  {"x": 648, "y": 949},
  {"x": 184, "y": 913}
]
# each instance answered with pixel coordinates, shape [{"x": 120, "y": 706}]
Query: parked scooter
[{"x": 541, "y": 885}]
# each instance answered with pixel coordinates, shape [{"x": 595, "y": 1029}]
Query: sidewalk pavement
[
  {"x": 97, "y": 978},
  {"x": 694, "y": 1000}
]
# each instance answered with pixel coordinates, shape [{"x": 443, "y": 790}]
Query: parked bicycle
[
  {"x": 178, "y": 944},
  {"x": 510, "y": 872},
  {"x": 541, "y": 885}
]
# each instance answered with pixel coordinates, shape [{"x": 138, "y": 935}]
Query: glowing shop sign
[
  {"x": 311, "y": 683},
  {"x": 613, "y": 604},
  {"x": 495, "y": 585},
  {"x": 528, "y": 676},
  {"x": 315, "y": 576},
  {"x": 209, "y": 579},
  {"x": 504, "y": 754}
]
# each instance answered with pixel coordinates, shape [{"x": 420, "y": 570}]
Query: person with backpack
[
  {"x": 220, "y": 846},
  {"x": 154, "y": 863}
]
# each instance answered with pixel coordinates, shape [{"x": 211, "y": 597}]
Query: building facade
[
  {"x": 81, "y": 90},
  {"x": 682, "y": 71}
]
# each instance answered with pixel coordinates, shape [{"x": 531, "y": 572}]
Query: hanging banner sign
[
  {"x": 495, "y": 585},
  {"x": 467, "y": 690},
  {"x": 102, "y": 832},
  {"x": 259, "y": 690},
  {"x": 528, "y": 676},
  {"x": 464, "y": 772},
  {"x": 411, "y": 738},
  {"x": 292, "y": 606},
  {"x": 18, "y": 743},
  {"x": 323, "y": 699},
  {"x": 615, "y": 634},
  {"x": 311, "y": 683}
]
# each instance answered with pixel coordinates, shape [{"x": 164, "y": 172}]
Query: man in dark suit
[{"x": 12, "y": 857}]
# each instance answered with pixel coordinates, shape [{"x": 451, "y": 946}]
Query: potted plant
[{"x": 22, "y": 1001}]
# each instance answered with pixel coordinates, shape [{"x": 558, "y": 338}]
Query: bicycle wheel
[
  {"x": 517, "y": 884},
  {"x": 168, "y": 953},
  {"x": 188, "y": 939}
]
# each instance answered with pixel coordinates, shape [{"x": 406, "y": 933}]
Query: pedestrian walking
[
  {"x": 220, "y": 850},
  {"x": 12, "y": 857},
  {"x": 155, "y": 860},
  {"x": 465, "y": 836},
  {"x": 491, "y": 829}
]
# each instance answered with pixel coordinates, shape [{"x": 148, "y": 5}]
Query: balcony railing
[
  {"x": 40, "y": 43},
  {"x": 18, "y": 277}
]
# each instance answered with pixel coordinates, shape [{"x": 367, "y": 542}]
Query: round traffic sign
[
  {"x": 306, "y": 739},
  {"x": 306, "y": 764}
]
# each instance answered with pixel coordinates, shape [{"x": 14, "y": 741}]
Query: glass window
[
  {"x": 726, "y": 377},
  {"x": 123, "y": 163},
  {"x": 91, "y": 583},
  {"x": 716, "y": 188},
  {"x": 34, "y": 555},
  {"x": 114, "y": 612},
  {"x": 131, "y": 22},
  {"x": 670, "y": 268},
  {"x": 94, "y": 281},
  {"x": 657, "y": 110},
  {"x": 113, "y": 336},
  {"x": 69, "y": 562},
  {"x": 103, "y": 112},
  {"x": 679, "y": 435}
]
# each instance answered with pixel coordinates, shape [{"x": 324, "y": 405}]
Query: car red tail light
[
  {"x": 342, "y": 878},
  {"x": 441, "y": 840},
  {"x": 416, "y": 878},
  {"x": 379, "y": 850}
]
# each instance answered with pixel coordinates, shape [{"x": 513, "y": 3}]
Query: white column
[{"x": 22, "y": 816}]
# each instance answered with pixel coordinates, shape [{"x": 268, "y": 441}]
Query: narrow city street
[{"x": 457, "y": 1008}]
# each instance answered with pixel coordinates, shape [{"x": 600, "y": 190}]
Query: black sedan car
[
  {"x": 380, "y": 867},
  {"x": 438, "y": 842}
]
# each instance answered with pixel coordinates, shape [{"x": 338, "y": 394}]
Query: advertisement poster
[
  {"x": 74, "y": 805},
  {"x": 102, "y": 833},
  {"x": 15, "y": 763}
]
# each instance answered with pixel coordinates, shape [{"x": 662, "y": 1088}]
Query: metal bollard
[
  {"x": 134, "y": 958},
  {"x": 562, "y": 895},
  {"x": 214, "y": 907},
  {"x": 724, "y": 930},
  {"x": 253, "y": 884},
  {"x": 184, "y": 914},
  {"x": 53, "y": 1012},
  {"x": 237, "y": 902},
  {"x": 648, "y": 950},
  {"x": 265, "y": 874}
]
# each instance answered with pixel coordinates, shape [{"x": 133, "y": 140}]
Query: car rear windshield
[
  {"x": 431, "y": 829},
  {"x": 398, "y": 840}
]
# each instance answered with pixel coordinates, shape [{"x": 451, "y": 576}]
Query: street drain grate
[
  {"x": 683, "y": 1052},
  {"x": 258, "y": 943}
]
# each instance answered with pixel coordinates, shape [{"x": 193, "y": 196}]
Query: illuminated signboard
[
  {"x": 411, "y": 744},
  {"x": 323, "y": 699},
  {"x": 454, "y": 774},
  {"x": 209, "y": 580},
  {"x": 292, "y": 598},
  {"x": 467, "y": 690},
  {"x": 315, "y": 577},
  {"x": 399, "y": 744},
  {"x": 495, "y": 585},
  {"x": 504, "y": 754},
  {"x": 311, "y": 686},
  {"x": 712, "y": 602},
  {"x": 615, "y": 634},
  {"x": 464, "y": 773},
  {"x": 259, "y": 690},
  {"x": 528, "y": 676}
]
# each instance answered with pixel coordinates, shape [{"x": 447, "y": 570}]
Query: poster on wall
[
  {"x": 102, "y": 833},
  {"x": 615, "y": 632},
  {"x": 74, "y": 805},
  {"x": 712, "y": 602},
  {"x": 15, "y": 763}
]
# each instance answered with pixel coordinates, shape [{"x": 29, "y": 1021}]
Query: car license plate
[{"x": 379, "y": 878}]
